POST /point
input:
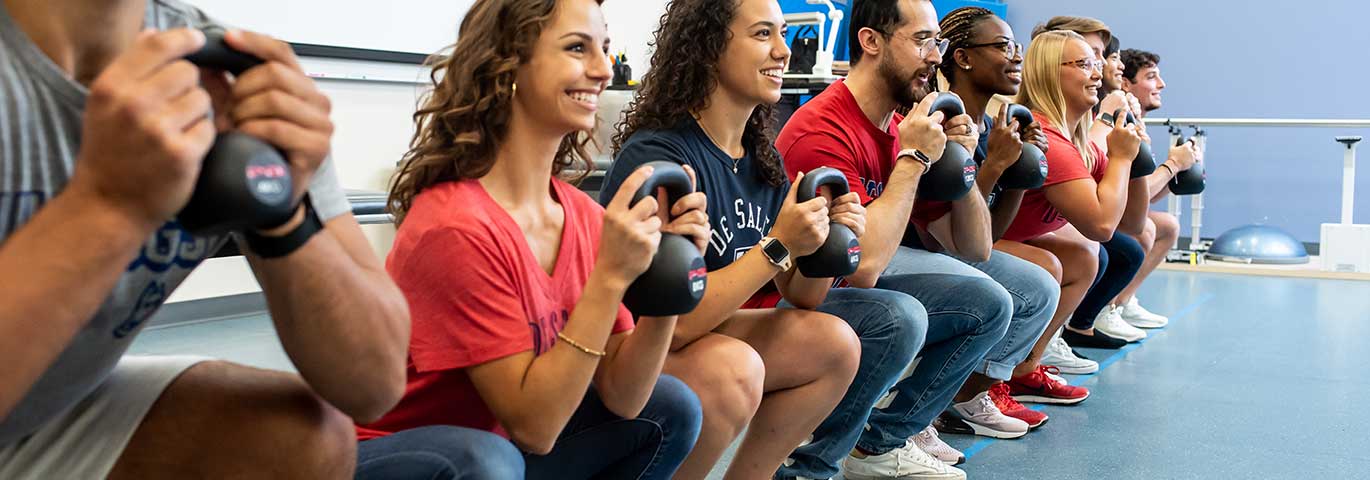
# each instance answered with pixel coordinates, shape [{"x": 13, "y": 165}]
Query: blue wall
[{"x": 1252, "y": 59}]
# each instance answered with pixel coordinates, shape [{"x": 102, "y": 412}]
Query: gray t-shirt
[{"x": 40, "y": 135}]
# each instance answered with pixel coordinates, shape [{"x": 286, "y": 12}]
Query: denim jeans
[
  {"x": 891, "y": 327},
  {"x": 1119, "y": 261},
  {"x": 439, "y": 452},
  {"x": 597, "y": 443},
  {"x": 968, "y": 314}
]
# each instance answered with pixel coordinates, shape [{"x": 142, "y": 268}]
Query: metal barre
[{"x": 1260, "y": 122}]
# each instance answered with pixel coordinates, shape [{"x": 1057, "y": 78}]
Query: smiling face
[
  {"x": 1079, "y": 86},
  {"x": 560, "y": 83},
  {"x": 990, "y": 70},
  {"x": 751, "y": 65},
  {"x": 1113, "y": 72},
  {"x": 1147, "y": 87}
]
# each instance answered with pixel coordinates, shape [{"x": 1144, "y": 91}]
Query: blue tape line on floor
[{"x": 983, "y": 443}]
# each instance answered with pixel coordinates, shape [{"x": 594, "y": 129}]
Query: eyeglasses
[
  {"x": 1011, "y": 50},
  {"x": 1086, "y": 64},
  {"x": 924, "y": 44}
]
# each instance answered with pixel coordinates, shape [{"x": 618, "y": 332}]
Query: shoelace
[
  {"x": 1003, "y": 399},
  {"x": 987, "y": 405},
  {"x": 1041, "y": 375},
  {"x": 1059, "y": 348}
]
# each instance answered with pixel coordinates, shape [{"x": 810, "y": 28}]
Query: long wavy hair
[
  {"x": 689, "y": 42},
  {"x": 1041, "y": 90},
  {"x": 461, "y": 123}
]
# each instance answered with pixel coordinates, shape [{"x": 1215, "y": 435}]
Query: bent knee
[
  {"x": 825, "y": 338},
  {"x": 1167, "y": 226},
  {"x": 727, "y": 376}
]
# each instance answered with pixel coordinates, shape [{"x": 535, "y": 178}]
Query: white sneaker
[
  {"x": 985, "y": 418},
  {"x": 1139, "y": 317},
  {"x": 929, "y": 442},
  {"x": 1110, "y": 321},
  {"x": 1060, "y": 355},
  {"x": 907, "y": 462}
]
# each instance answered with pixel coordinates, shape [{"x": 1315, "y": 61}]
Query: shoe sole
[
  {"x": 1127, "y": 339},
  {"x": 1074, "y": 370},
  {"x": 949, "y": 476},
  {"x": 984, "y": 431},
  {"x": 1047, "y": 400},
  {"x": 1148, "y": 325}
]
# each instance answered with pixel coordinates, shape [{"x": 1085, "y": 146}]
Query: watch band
[
  {"x": 1107, "y": 119},
  {"x": 276, "y": 247},
  {"x": 784, "y": 262},
  {"x": 916, "y": 155}
]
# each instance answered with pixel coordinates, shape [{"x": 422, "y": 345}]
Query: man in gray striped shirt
[{"x": 102, "y": 131}]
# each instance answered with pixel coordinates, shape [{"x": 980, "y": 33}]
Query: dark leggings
[{"x": 1119, "y": 260}]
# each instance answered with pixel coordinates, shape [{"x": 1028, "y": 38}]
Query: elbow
[
  {"x": 370, "y": 404},
  {"x": 978, "y": 255},
  {"x": 625, "y": 408},
  {"x": 1101, "y": 232},
  {"x": 534, "y": 440}
]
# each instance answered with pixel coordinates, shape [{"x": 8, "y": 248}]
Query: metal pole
[
  {"x": 1348, "y": 179},
  {"x": 1196, "y": 202}
]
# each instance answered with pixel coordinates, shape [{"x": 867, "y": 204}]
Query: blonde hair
[{"x": 1041, "y": 91}]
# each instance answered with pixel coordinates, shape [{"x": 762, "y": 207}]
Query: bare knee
[
  {"x": 726, "y": 374},
  {"x": 1079, "y": 263},
  {"x": 827, "y": 340},
  {"x": 1167, "y": 227}
]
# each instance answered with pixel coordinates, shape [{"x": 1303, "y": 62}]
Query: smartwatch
[
  {"x": 916, "y": 155},
  {"x": 276, "y": 247},
  {"x": 776, "y": 253}
]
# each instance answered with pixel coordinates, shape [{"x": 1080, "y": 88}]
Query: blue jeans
[
  {"x": 891, "y": 326},
  {"x": 968, "y": 314},
  {"x": 439, "y": 452},
  {"x": 1119, "y": 261},
  {"x": 597, "y": 443},
  {"x": 1035, "y": 294}
]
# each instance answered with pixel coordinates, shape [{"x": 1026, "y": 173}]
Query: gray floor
[{"x": 1255, "y": 378}]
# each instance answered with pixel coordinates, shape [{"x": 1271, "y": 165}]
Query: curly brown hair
[
  {"x": 461, "y": 123},
  {"x": 689, "y": 41}
]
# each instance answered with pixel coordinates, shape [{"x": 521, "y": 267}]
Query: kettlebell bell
[
  {"x": 1030, "y": 171},
  {"x": 954, "y": 173},
  {"x": 841, "y": 253},
  {"x": 1145, "y": 163},
  {"x": 674, "y": 283},
  {"x": 1191, "y": 181},
  {"x": 244, "y": 182}
]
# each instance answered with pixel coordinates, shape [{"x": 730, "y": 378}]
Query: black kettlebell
[
  {"x": 1191, "y": 181},
  {"x": 1030, "y": 171},
  {"x": 954, "y": 173},
  {"x": 244, "y": 182},
  {"x": 841, "y": 253},
  {"x": 1145, "y": 164},
  {"x": 674, "y": 283}
]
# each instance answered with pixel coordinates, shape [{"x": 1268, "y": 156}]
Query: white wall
[{"x": 373, "y": 121}]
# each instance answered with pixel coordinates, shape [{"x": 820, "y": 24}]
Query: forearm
[
  {"x": 1112, "y": 192},
  {"x": 1159, "y": 181},
  {"x": 888, "y": 218},
  {"x": 803, "y": 292},
  {"x": 1004, "y": 211},
  {"x": 729, "y": 287},
  {"x": 628, "y": 375},
  {"x": 970, "y": 228},
  {"x": 552, "y": 387},
  {"x": 1138, "y": 202},
  {"x": 345, "y": 327},
  {"x": 57, "y": 270}
]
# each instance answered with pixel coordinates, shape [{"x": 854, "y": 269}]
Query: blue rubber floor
[{"x": 1256, "y": 377}]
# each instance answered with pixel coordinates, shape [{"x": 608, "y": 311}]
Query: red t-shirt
[
  {"x": 832, "y": 131},
  {"x": 477, "y": 294},
  {"x": 1036, "y": 216}
]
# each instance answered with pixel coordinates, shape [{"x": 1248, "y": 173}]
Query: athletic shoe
[
  {"x": 948, "y": 422},
  {"x": 1097, "y": 340},
  {"x": 1004, "y": 400},
  {"x": 1139, "y": 317},
  {"x": 1110, "y": 321},
  {"x": 985, "y": 419},
  {"x": 906, "y": 462},
  {"x": 1059, "y": 355},
  {"x": 929, "y": 442},
  {"x": 1037, "y": 387}
]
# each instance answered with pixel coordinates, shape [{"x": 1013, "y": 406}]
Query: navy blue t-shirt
[{"x": 742, "y": 206}]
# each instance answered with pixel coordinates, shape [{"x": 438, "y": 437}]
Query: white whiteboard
[{"x": 417, "y": 26}]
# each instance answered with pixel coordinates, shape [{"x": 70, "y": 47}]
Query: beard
[{"x": 900, "y": 84}]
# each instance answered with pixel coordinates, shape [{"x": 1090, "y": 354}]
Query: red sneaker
[
  {"x": 1037, "y": 387},
  {"x": 999, "y": 393}
]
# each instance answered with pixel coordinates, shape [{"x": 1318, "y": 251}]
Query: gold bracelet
[{"x": 578, "y": 346}]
